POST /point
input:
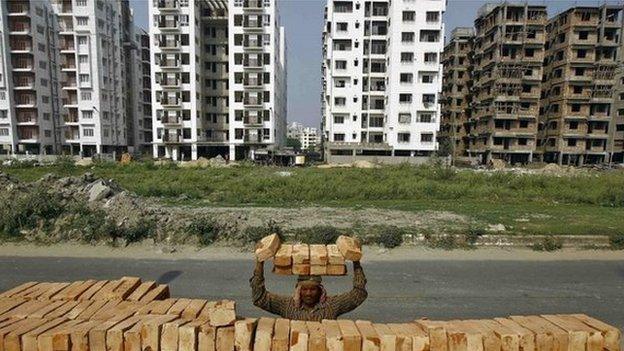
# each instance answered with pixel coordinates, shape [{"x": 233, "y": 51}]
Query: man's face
[{"x": 310, "y": 293}]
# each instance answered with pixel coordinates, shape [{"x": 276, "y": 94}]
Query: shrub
[
  {"x": 388, "y": 236},
  {"x": 91, "y": 224},
  {"x": 473, "y": 234},
  {"x": 318, "y": 234},
  {"x": 207, "y": 230},
  {"x": 139, "y": 230},
  {"x": 65, "y": 163},
  {"x": 617, "y": 241},
  {"x": 253, "y": 234},
  {"x": 446, "y": 242},
  {"x": 548, "y": 244},
  {"x": 28, "y": 210}
]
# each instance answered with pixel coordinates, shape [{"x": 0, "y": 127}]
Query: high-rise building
[
  {"x": 580, "y": 70},
  {"x": 63, "y": 81},
  {"x": 308, "y": 137},
  {"x": 219, "y": 75},
  {"x": 508, "y": 54},
  {"x": 456, "y": 86},
  {"x": 380, "y": 81}
]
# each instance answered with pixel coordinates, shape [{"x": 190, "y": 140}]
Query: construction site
[{"x": 539, "y": 90}]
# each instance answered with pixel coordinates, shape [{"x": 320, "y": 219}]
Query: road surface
[{"x": 398, "y": 290}]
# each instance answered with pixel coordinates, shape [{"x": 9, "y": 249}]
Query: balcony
[
  {"x": 170, "y": 82},
  {"x": 22, "y": 65},
  {"x": 67, "y": 46},
  {"x": 253, "y": 44},
  {"x": 165, "y": 101},
  {"x": 66, "y": 26},
  {"x": 252, "y": 138},
  {"x": 69, "y": 84},
  {"x": 23, "y": 83},
  {"x": 252, "y": 63},
  {"x": 25, "y": 101},
  {"x": 252, "y": 24},
  {"x": 252, "y": 5},
  {"x": 27, "y": 118},
  {"x": 251, "y": 101},
  {"x": 171, "y": 120},
  {"x": 70, "y": 118},
  {"x": 18, "y": 9},
  {"x": 168, "y": 44},
  {"x": 19, "y": 28},
  {"x": 169, "y": 25},
  {"x": 252, "y": 82},
  {"x": 68, "y": 65},
  {"x": 252, "y": 121},
  {"x": 67, "y": 102},
  {"x": 170, "y": 63},
  {"x": 172, "y": 138},
  {"x": 28, "y": 134},
  {"x": 165, "y": 5},
  {"x": 21, "y": 47},
  {"x": 72, "y": 135}
]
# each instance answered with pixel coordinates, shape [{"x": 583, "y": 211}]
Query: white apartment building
[
  {"x": 219, "y": 74},
  {"x": 381, "y": 79},
  {"x": 68, "y": 77},
  {"x": 308, "y": 137}
]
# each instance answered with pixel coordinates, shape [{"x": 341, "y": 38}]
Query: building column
[
  {"x": 174, "y": 153},
  {"x": 560, "y": 158},
  {"x": 193, "y": 151},
  {"x": 581, "y": 160},
  {"x": 531, "y": 157},
  {"x": 232, "y": 152},
  {"x": 155, "y": 150},
  {"x": 98, "y": 148}
]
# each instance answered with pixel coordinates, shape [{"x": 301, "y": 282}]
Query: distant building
[
  {"x": 309, "y": 137},
  {"x": 382, "y": 76}
]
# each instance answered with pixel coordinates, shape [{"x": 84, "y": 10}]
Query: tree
[{"x": 294, "y": 143}]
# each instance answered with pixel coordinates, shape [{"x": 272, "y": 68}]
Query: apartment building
[
  {"x": 29, "y": 77},
  {"x": 580, "y": 71},
  {"x": 507, "y": 73},
  {"x": 64, "y": 86},
  {"x": 308, "y": 137},
  {"x": 219, "y": 70},
  {"x": 616, "y": 138},
  {"x": 380, "y": 81},
  {"x": 456, "y": 86}
]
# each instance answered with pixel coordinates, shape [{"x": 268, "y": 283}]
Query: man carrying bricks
[{"x": 310, "y": 301}]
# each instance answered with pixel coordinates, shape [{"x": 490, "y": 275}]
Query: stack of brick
[
  {"x": 127, "y": 315},
  {"x": 303, "y": 259}
]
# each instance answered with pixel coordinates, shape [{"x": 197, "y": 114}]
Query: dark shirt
[{"x": 333, "y": 307}]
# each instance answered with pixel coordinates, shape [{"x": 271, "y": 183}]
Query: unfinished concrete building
[
  {"x": 507, "y": 73},
  {"x": 456, "y": 86},
  {"x": 579, "y": 77}
]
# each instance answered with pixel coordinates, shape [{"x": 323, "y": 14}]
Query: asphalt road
[{"x": 398, "y": 291}]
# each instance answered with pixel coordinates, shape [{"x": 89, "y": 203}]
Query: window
[
  {"x": 431, "y": 57},
  {"x": 85, "y": 95},
  {"x": 571, "y": 142},
  {"x": 343, "y": 6},
  {"x": 339, "y": 137},
  {"x": 40, "y": 29},
  {"x": 406, "y": 77},
  {"x": 405, "y": 98},
  {"x": 426, "y": 137},
  {"x": 83, "y": 59},
  {"x": 403, "y": 137},
  {"x": 46, "y": 116},
  {"x": 82, "y": 40},
  {"x": 41, "y": 47},
  {"x": 338, "y": 119},
  {"x": 409, "y": 16},
  {"x": 342, "y": 26},
  {"x": 81, "y": 3},
  {"x": 88, "y": 132},
  {"x": 87, "y": 114},
  {"x": 43, "y": 64},
  {"x": 425, "y": 118},
  {"x": 266, "y": 20},
  {"x": 340, "y": 101},
  {"x": 4, "y": 132},
  {"x": 340, "y": 64},
  {"x": 428, "y": 99},
  {"x": 429, "y": 36},
  {"x": 47, "y": 133},
  {"x": 82, "y": 21},
  {"x": 581, "y": 53},
  {"x": 427, "y": 78},
  {"x": 340, "y": 83},
  {"x": 407, "y": 57},
  {"x": 583, "y": 35},
  {"x": 433, "y": 16},
  {"x": 2, "y": 93},
  {"x": 405, "y": 118},
  {"x": 407, "y": 37},
  {"x": 45, "y": 99},
  {"x": 84, "y": 78}
]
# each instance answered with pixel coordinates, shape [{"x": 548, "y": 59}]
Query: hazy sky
[{"x": 303, "y": 20}]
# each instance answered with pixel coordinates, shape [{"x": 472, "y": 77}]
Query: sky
[{"x": 303, "y": 21}]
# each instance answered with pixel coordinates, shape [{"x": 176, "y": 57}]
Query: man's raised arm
[
  {"x": 262, "y": 298},
  {"x": 349, "y": 301}
]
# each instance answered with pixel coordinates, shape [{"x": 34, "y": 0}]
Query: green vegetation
[
  {"x": 585, "y": 203},
  {"x": 548, "y": 244},
  {"x": 617, "y": 241}
]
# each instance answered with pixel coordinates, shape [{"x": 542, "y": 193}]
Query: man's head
[{"x": 310, "y": 290}]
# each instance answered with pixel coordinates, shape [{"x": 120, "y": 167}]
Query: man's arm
[
  {"x": 349, "y": 301},
  {"x": 269, "y": 302}
]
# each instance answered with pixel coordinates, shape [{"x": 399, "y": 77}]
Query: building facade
[
  {"x": 64, "y": 77},
  {"x": 507, "y": 75},
  {"x": 308, "y": 137},
  {"x": 219, "y": 74},
  {"x": 381, "y": 82},
  {"x": 456, "y": 86},
  {"x": 580, "y": 72}
]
